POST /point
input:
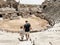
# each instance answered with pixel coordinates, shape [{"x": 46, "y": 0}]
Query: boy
[{"x": 22, "y": 33}]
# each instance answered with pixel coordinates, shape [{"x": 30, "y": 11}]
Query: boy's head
[
  {"x": 21, "y": 27},
  {"x": 26, "y": 21}
]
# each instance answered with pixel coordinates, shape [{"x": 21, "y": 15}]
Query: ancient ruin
[
  {"x": 8, "y": 9},
  {"x": 44, "y": 20},
  {"x": 13, "y": 10},
  {"x": 14, "y": 15},
  {"x": 51, "y": 9}
]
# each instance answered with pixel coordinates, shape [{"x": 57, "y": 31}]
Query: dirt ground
[{"x": 14, "y": 25}]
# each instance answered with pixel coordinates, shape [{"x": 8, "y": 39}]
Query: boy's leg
[{"x": 22, "y": 37}]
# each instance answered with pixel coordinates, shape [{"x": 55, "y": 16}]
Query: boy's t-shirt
[{"x": 22, "y": 32}]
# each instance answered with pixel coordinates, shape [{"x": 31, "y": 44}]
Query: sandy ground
[
  {"x": 14, "y": 25},
  {"x": 48, "y": 37}
]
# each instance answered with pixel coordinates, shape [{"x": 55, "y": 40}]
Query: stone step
[
  {"x": 8, "y": 42},
  {"x": 25, "y": 43}
]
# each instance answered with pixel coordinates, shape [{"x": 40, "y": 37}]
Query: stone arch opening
[
  {"x": 44, "y": 6},
  {"x": 30, "y": 13},
  {"x": 1, "y": 16},
  {"x": 54, "y": 0},
  {"x": 0, "y": 6}
]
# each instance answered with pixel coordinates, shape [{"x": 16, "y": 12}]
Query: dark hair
[
  {"x": 21, "y": 27},
  {"x": 26, "y": 21}
]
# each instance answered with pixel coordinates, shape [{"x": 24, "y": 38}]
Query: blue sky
[{"x": 37, "y": 2}]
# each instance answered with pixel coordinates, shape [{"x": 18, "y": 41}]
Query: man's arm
[{"x": 30, "y": 27}]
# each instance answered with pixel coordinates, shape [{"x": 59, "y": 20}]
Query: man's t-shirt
[{"x": 27, "y": 27}]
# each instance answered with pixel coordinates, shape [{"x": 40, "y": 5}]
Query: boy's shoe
[
  {"x": 30, "y": 40},
  {"x": 20, "y": 39}
]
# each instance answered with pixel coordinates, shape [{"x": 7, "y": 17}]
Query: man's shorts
[
  {"x": 27, "y": 30},
  {"x": 27, "y": 33}
]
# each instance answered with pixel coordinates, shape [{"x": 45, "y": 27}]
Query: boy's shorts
[{"x": 22, "y": 33}]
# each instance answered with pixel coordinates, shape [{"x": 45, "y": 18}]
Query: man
[{"x": 27, "y": 27}]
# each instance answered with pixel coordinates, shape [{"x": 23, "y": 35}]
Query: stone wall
[
  {"x": 9, "y": 7},
  {"x": 29, "y": 9},
  {"x": 2, "y": 3}
]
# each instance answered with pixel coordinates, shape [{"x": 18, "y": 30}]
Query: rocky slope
[
  {"x": 27, "y": 10},
  {"x": 52, "y": 9}
]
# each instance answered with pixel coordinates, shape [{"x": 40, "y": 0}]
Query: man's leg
[
  {"x": 29, "y": 36},
  {"x": 26, "y": 35}
]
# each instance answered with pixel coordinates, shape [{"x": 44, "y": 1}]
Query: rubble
[
  {"x": 51, "y": 9},
  {"x": 8, "y": 13},
  {"x": 37, "y": 11}
]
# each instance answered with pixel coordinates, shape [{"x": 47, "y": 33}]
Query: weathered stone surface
[
  {"x": 2, "y": 3},
  {"x": 8, "y": 13},
  {"x": 12, "y": 3},
  {"x": 52, "y": 9},
  {"x": 8, "y": 9},
  {"x": 27, "y": 10}
]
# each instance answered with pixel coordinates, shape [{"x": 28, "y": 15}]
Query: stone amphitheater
[{"x": 45, "y": 16}]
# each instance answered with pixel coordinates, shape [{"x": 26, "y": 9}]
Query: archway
[{"x": 1, "y": 16}]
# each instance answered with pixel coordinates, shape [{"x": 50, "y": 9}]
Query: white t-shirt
[{"x": 22, "y": 32}]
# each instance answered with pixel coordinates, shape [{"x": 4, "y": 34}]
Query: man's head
[{"x": 26, "y": 21}]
